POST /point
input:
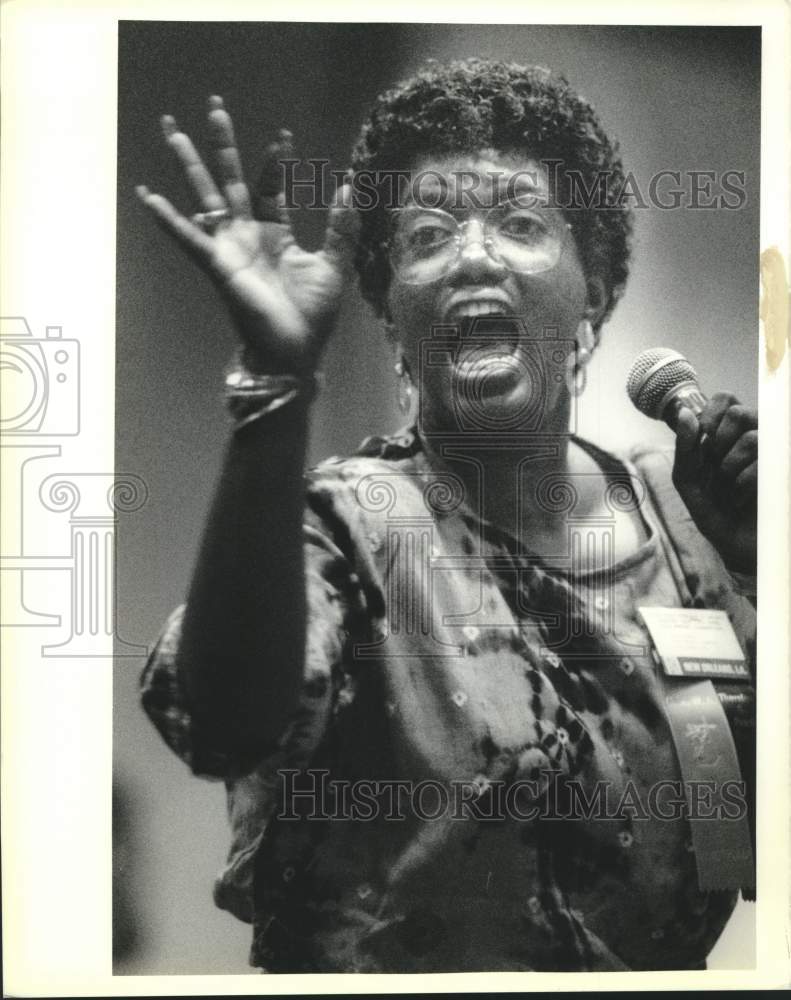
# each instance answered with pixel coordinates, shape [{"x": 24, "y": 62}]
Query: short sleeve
[{"x": 334, "y": 609}]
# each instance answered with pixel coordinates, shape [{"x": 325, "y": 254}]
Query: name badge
[{"x": 695, "y": 642}]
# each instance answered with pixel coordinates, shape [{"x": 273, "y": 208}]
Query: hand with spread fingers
[
  {"x": 716, "y": 474},
  {"x": 282, "y": 299}
]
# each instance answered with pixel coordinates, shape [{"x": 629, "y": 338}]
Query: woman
[{"x": 406, "y": 664}]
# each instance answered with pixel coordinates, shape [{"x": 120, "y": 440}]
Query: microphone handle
[{"x": 687, "y": 394}]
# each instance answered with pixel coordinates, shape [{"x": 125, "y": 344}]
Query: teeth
[{"x": 477, "y": 308}]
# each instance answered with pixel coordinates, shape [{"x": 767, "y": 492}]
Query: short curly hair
[{"x": 475, "y": 104}]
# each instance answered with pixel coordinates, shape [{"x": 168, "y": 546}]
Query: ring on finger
[{"x": 209, "y": 221}]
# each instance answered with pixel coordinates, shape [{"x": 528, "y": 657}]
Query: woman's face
[{"x": 487, "y": 344}]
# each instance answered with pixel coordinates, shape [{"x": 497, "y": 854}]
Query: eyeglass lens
[{"x": 427, "y": 242}]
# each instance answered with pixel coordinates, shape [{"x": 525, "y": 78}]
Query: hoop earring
[
  {"x": 586, "y": 338},
  {"x": 579, "y": 380},
  {"x": 579, "y": 360},
  {"x": 404, "y": 387}
]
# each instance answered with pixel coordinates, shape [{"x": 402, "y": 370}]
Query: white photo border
[{"x": 57, "y": 721}]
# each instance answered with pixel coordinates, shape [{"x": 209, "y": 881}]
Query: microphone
[{"x": 661, "y": 381}]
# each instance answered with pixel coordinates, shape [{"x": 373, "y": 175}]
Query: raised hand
[
  {"x": 283, "y": 300},
  {"x": 716, "y": 474}
]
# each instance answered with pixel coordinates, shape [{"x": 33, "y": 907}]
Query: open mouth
[{"x": 488, "y": 359}]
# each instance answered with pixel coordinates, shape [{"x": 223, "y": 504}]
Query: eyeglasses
[{"x": 426, "y": 242}]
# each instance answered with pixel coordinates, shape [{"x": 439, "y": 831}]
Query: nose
[{"x": 474, "y": 261}]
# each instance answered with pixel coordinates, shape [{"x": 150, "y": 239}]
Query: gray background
[{"x": 677, "y": 98}]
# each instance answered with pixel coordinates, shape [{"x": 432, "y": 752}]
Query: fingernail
[
  {"x": 169, "y": 126},
  {"x": 215, "y": 101},
  {"x": 141, "y": 191}
]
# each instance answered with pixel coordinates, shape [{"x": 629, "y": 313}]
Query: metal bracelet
[{"x": 251, "y": 396}]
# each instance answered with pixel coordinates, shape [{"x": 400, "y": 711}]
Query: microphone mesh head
[{"x": 653, "y": 374}]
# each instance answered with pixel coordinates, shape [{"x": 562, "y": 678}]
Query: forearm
[{"x": 243, "y": 634}]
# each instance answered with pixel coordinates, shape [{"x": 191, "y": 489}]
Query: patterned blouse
[{"x": 414, "y": 816}]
